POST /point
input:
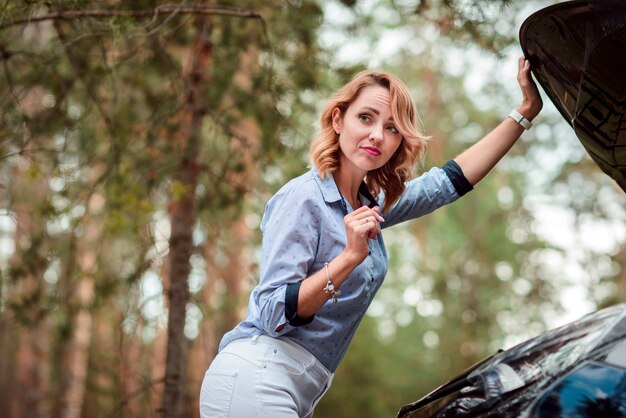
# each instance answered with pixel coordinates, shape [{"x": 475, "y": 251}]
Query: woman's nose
[{"x": 377, "y": 133}]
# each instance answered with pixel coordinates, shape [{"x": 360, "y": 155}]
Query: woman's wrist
[
  {"x": 530, "y": 110},
  {"x": 350, "y": 258}
]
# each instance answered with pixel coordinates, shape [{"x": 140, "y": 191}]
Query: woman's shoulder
[
  {"x": 304, "y": 184},
  {"x": 298, "y": 190},
  {"x": 299, "y": 197}
]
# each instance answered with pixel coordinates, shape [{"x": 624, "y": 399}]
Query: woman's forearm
[
  {"x": 481, "y": 157},
  {"x": 312, "y": 295}
]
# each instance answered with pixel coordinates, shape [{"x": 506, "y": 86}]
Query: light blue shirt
[{"x": 303, "y": 229}]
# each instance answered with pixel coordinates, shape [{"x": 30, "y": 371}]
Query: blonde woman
[{"x": 323, "y": 256}]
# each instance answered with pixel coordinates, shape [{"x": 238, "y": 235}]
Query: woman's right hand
[
  {"x": 361, "y": 225},
  {"x": 531, "y": 99}
]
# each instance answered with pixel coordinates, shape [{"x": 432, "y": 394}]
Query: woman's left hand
[{"x": 531, "y": 99}]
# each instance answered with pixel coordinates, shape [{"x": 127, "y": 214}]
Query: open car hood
[{"x": 578, "y": 54}]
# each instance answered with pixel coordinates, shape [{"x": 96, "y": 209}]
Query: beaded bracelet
[{"x": 330, "y": 287}]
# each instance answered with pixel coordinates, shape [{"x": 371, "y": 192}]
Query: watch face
[{"x": 519, "y": 118}]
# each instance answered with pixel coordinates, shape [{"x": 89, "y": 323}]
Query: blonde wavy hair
[{"x": 390, "y": 178}]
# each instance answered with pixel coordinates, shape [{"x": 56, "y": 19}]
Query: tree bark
[
  {"x": 183, "y": 217},
  {"x": 158, "y": 355},
  {"x": 204, "y": 347},
  {"x": 77, "y": 351},
  {"x": 26, "y": 390}
]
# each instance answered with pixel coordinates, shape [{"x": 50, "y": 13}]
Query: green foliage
[
  {"x": 472, "y": 22},
  {"x": 92, "y": 133},
  {"x": 460, "y": 288}
]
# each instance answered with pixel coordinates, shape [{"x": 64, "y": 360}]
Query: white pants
[{"x": 263, "y": 377}]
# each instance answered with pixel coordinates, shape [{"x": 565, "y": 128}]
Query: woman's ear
[{"x": 336, "y": 118}]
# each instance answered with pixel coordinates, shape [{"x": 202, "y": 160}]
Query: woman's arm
[
  {"x": 481, "y": 157},
  {"x": 288, "y": 294},
  {"x": 361, "y": 225}
]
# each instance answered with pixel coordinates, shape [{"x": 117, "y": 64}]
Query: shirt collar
[
  {"x": 327, "y": 187},
  {"x": 330, "y": 191}
]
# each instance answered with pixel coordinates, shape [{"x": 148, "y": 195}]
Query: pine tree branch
[{"x": 214, "y": 10}]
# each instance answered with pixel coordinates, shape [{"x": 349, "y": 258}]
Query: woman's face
[{"x": 368, "y": 137}]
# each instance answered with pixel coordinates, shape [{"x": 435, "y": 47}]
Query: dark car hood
[
  {"x": 509, "y": 382},
  {"x": 578, "y": 53}
]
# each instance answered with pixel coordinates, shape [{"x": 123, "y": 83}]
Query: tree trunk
[
  {"x": 204, "y": 347},
  {"x": 26, "y": 389},
  {"x": 129, "y": 375},
  {"x": 234, "y": 275},
  {"x": 77, "y": 351},
  {"x": 103, "y": 392},
  {"x": 158, "y": 355},
  {"x": 183, "y": 217}
]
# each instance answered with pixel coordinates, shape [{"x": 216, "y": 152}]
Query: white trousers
[{"x": 263, "y": 377}]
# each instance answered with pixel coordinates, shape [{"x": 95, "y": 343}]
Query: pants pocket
[
  {"x": 216, "y": 393},
  {"x": 280, "y": 360}
]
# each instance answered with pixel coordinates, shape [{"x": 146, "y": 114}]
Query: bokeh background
[{"x": 140, "y": 141}]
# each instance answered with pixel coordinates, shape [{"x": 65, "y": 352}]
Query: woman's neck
[{"x": 348, "y": 185}]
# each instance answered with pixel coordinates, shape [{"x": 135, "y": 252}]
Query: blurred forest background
[{"x": 141, "y": 140}]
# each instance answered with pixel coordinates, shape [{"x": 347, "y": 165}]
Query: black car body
[
  {"x": 577, "y": 370},
  {"x": 578, "y": 54}
]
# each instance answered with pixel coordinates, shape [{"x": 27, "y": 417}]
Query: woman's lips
[{"x": 372, "y": 151}]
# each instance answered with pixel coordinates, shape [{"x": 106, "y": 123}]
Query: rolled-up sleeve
[
  {"x": 458, "y": 179},
  {"x": 290, "y": 229}
]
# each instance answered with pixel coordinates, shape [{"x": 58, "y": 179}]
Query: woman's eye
[
  {"x": 365, "y": 117},
  {"x": 392, "y": 129}
]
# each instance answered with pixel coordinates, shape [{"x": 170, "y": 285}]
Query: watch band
[{"x": 519, "y": 118}]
